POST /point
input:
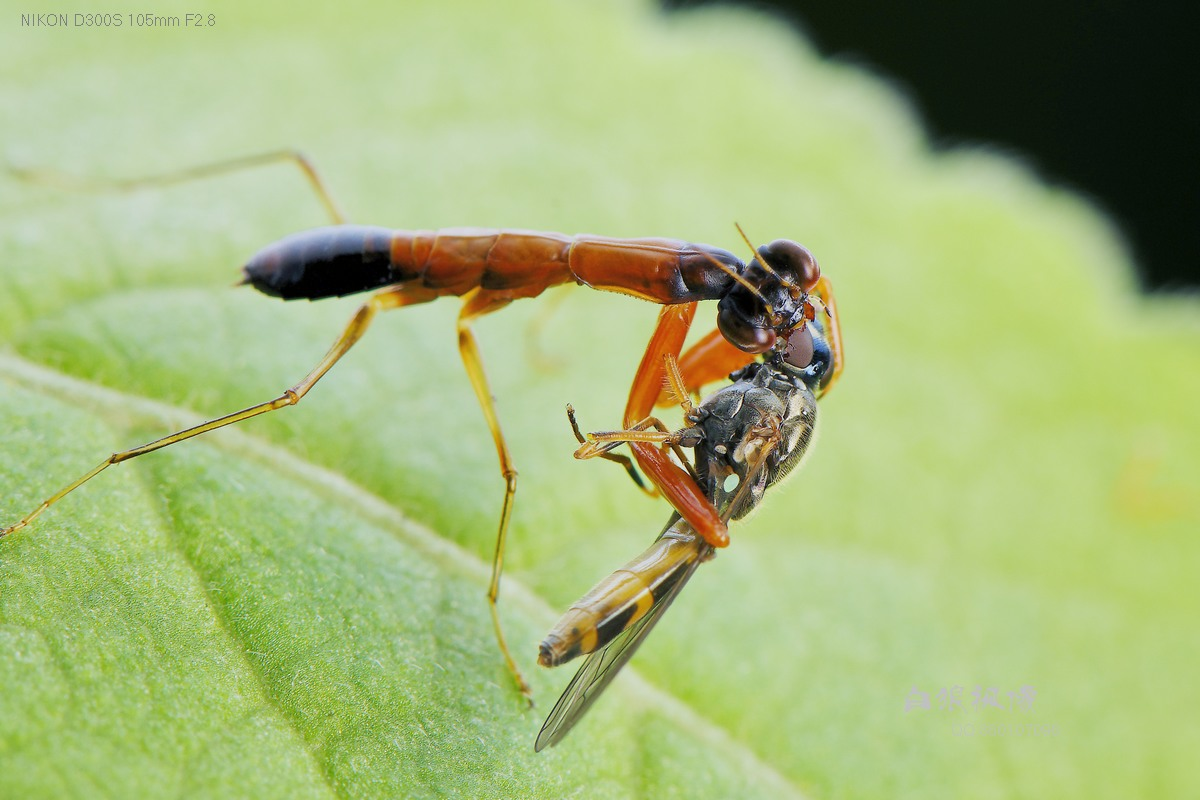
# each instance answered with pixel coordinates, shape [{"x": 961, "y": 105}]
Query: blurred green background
[{"x": 1002, "y": 496}]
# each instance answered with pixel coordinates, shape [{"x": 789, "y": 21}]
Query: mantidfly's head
[
  {"x": 772, "y": 307},
  {"x": 770, "y": 298}
]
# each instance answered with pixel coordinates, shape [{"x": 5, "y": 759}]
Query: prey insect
[
  {"x": 746, "y": 437},
  {"x": 760, "y": 302}
]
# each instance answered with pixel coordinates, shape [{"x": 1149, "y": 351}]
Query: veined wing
[{"x": 602, "y": 666}]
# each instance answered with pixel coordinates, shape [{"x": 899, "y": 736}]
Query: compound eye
[
  {"x": 743, "y": 335},
  {"x": 799, "y": 348},
  {"x": 792, "y": 259}
]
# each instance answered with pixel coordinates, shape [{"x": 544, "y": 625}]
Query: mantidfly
[
  {"x": 760, "y": 302},
  {"x": 746, "y": 437}
]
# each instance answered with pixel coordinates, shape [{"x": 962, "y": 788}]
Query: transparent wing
[{"x": 603, "y": 665}]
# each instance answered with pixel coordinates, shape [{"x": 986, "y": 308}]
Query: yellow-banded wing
[{"x": 682, "y": 550}]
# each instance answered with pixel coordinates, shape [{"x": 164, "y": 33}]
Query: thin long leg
[
  {"x": 600, "y": 444},
  {"x": 676, "y": 485},
  {"x": 477, "y": 303},
  {"x": 75, "y": 183},
  {"x": 386, "y": 299},
  {"x": 617, "y": 458}
]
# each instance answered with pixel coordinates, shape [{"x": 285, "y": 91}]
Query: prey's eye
[
  {"x": 790, "y": 258},
  {"x": 799, "y": 348},
  {"x": 743, "y": 335}
]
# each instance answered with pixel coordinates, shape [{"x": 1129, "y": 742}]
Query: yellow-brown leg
[
  {"x": 302, "y": 162},
  {"x": 477, "y": 303},
  {"x": 604, "y": 451},
  {"x": 650, "y": 430},
  {"x": 385, "y": 299}
]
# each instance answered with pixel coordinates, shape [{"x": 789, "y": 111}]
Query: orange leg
[
  {"x": 707, "y": 361},
  {"x": 676, "y": 485},
  {"x": 833, "y": 329}
]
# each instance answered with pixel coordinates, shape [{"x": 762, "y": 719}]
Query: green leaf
[{"x": 1002, "y": 494}]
